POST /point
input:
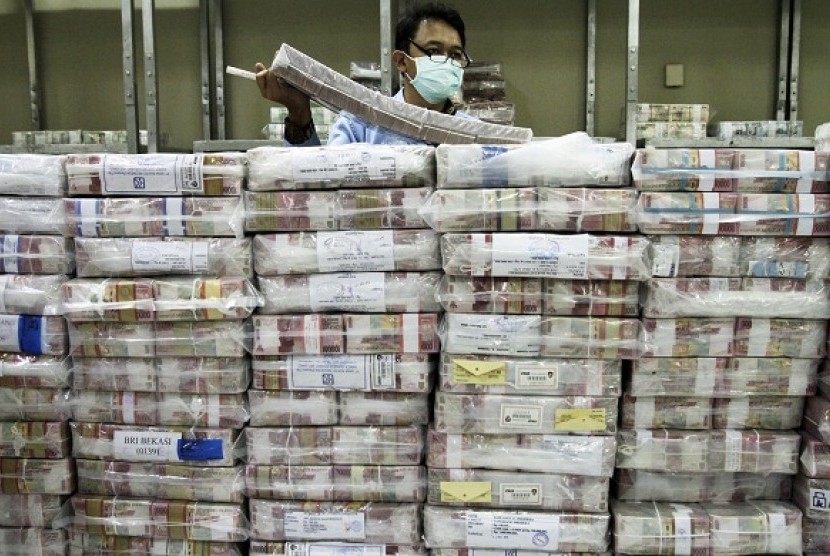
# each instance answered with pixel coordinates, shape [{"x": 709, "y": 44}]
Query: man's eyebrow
[{"x": 436, "y": 42}]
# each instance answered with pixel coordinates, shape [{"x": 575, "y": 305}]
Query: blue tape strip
[
  {"x": 29, "y": 334},
  {"x": 199, "y": 449}
]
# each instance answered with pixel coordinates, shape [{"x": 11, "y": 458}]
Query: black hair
[{"x": 410, "y": 22}]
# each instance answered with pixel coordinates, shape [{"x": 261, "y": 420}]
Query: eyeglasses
[{"x": 457, "y": 58}]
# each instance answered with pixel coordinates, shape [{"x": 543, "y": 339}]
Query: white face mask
[{"x": 435, "y": 81}]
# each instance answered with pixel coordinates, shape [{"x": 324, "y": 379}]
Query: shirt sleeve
[
  {"x": 313, "y": 141},
  {"x": 346, "y": 129}
]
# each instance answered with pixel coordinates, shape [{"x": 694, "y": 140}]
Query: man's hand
[{"x": 277, "y": 90}]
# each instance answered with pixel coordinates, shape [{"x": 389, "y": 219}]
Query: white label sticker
[
  {"x": 820, "y": 500},
  {"x": 541, "y": 255},
  {"x": 521, "y": 494},
  {"x": 10, "y": 253},
  {"x": 494, "y": 334},
  {"x": 779, "y": 534},
  {"x": 353, "y": 164},
  {"x": 534, "y": 377},
  {"x": 339, "y": 372},
  {"x": 333, "y": 549},
  {"x": 356, "y": 251},
  {"x": 145, "y": 445},
  {"x": 9, "y": 333},
  {"x": 148, "y": 174},
  {"x": 174, "y": 216},
  {"x": 87, "y": 210},
  {"x": 512, "y": 531},
  {"x": 733, "y": 448},
  {"x": 346, "y": 526},
  {"x": 170, "y": 256},
  {"x": 4, "y": 280},
  {"x": 682, "y": 534},
  {"x": 666, "y": 259},
  {"x": 521, "y": 417},
  {"x": 362, "y": 292},
  {"x": 382, "y": 371}
]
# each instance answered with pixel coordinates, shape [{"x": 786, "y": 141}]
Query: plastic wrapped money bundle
[
  {"x": 160, "y": 480},
  {"x": 340, "y": 445},
  {"x": 513, "y": 489},
  {"x": 722, "y": 377},
  {"x": 37, "y": 476},
  {"x": 162, "y": 299},
  {"x": 355, "y": 209},
  {"x": 30, "y": 510},
  {"x": 44, "y": 542},
  {"x": 822, "y": 137},
  {"x": 746, "y": 451},
  {"x": 480, "y": 374},
  {"x": 660, "y": 528},
  {"x": 721, "y": 297},
  {"x": 157, "y": 339},
  {"x": 529, "y": 209},
  {"x": 32, "y": 174},
  {"x": 761, "y": 527},
  {"x": 179, "y": 445},
  {"x": 810, "y": 494},
  {"x": 572, "y": 160},
  {"x": 34, "y": 371},
  {"x": 781, "y": 171},
  {"x": 36, "y": 254},
  {"x": 164, "y": 519},
  {"x": 371, "y": 522},
  {"x": 388, "y": 292},
  {"x": 671, "y": 130},
  {"x": 342, "y": 166},
  {"x": 817, "y": 418},
  {"x": 334, "y": 89},
  {"x": 346, "y": 251},
  {"x": 34, "y": 440},
  {"x": 268, "y": 548},
  {"x": 33, "y": 334},
  {"x": 551, "y": 531},
  {"x": 355, "y": 483},
  {"x": 160, "y": 174},
  {"x": 88, "y": 543},
  {"x": 34, "y": 404},
  {"x": 657, "y": 112},
  {"x": 302, "y": 407},
  {"x": 815, "y": 457},
  {"x": 576, "y": 455},
  {"x": 546, "y": 256},
  {"x": 104, "y": 257},
  {"x": 32, "y": 215},
  {"x": 31, "y": 294},
  {"x": 150, "y": 408},
  {"x": 154, "y": 216},
  {"x": 729, "y": 129},
  {"x": 634, "y": 485},
  {"x": 684, "y": 169}
]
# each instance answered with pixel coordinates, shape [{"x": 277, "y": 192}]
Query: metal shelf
[{"x": 65, "y": 149}]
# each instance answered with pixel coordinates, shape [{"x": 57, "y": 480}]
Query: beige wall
[{"x": 729, "y": 50}]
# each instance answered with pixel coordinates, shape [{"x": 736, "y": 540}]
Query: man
[{"x": 429, "y": 42}]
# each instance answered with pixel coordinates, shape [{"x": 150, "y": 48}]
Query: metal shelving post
[
  {"x": 632, "y": 69},
  {"x": 150, "y": 74},
  {"x": 591, "y": 68},
  {"x": 34, "y": 87},
  {"x": 128, "y": 57}
]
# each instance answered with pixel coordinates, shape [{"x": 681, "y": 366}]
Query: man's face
[{"x": 434, "y": 36}]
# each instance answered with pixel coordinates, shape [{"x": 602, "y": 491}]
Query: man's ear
[{"x": 399, "y": 59}]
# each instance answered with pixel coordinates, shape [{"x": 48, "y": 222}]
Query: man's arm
[{"x": 299, "y": 127}]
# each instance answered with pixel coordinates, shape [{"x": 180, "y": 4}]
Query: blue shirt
[{"x": 348, "y": 128}]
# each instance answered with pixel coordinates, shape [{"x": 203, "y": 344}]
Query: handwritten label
[
  {"x": 541, "y": 255},
  {"x": 356, "y": 251},
  {"x": 170, "y": 256}
]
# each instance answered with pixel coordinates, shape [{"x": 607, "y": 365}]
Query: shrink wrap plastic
[
  {"x": 34, "y": 371},
  {"x": 392, "y": 372},
  {"x": 369, "y": 522},
  {"x": 671, "y": 130},
  {"x": 30, "y": 510},
  {"x": 573, "y": 455},
  {"x": 815, "y": 537},
  {"x": 159, "y": 174},
  {"x": 32, "y": 215},
  {"x": 203, "y": 375},
  {"x": 341, "y": 166},
  {"x": 31, "y": 294},
  {"x": 175, "y": 444},
  {"x": 723, "y": 377},
  {"x": 159, "y": 299},
  {"x": 531, "y": 209},
  {"x": 161, "y": 519},
  {"x": 579, "y": 257},
  {"x": 357, "y": 209},
  {"x": 510, "y": 489},
  {"x": 367, "y": 445},
  {"x": 551, "y": 531},
  {"x": 761, "y": 527},
  {"x": 34, "y": 439},
  {"x": 160, "y": 480},
  {"x": 483, "y": 374},
  {"x": 660, "y": 528},
  {"x": 372, "y": 292},
  {"x": 817, "y": 418},
  {"x": 500, "y": 414},
  {"x": 154, "y": 216},
  {"x": 29, "y": 404},
  {"x": 25, "y": 541},
  {"x": 32, "y": 174},
  {"x": 348, "y": 483},
  {"x": 346, "y": 251},
  {"x": 822, "y": 137},
  {"x": 572, "y": 160},
  {"x": 815, "y": 457},
  {"x": 37, "y": 476},
  {"x": 759, "y": 128},
  {"x": 746, "y": 451},
  {"x": 529, "y": 296},
  {"x": 334, "y": 89},
  {"x": 534, "y": 335},
  {"x": 105, "y": 257},
  {"x": 654, "y": 112},
  {"x": 87, "y": 544},
  {"x": 643, "y": 486},
  {"x": 268, "y": 548},
  {"x": 811, "y": 496},
  {"x": 36, "y": 254},
  {"x": 33, "y": 334}
]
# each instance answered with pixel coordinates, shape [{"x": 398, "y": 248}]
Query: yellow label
[
  {"x": 466, "y": 491},
  {"x": 580, "y": 420},
  {"x": 479, "y": 372},
  {"x": 213, "y": 290}
]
